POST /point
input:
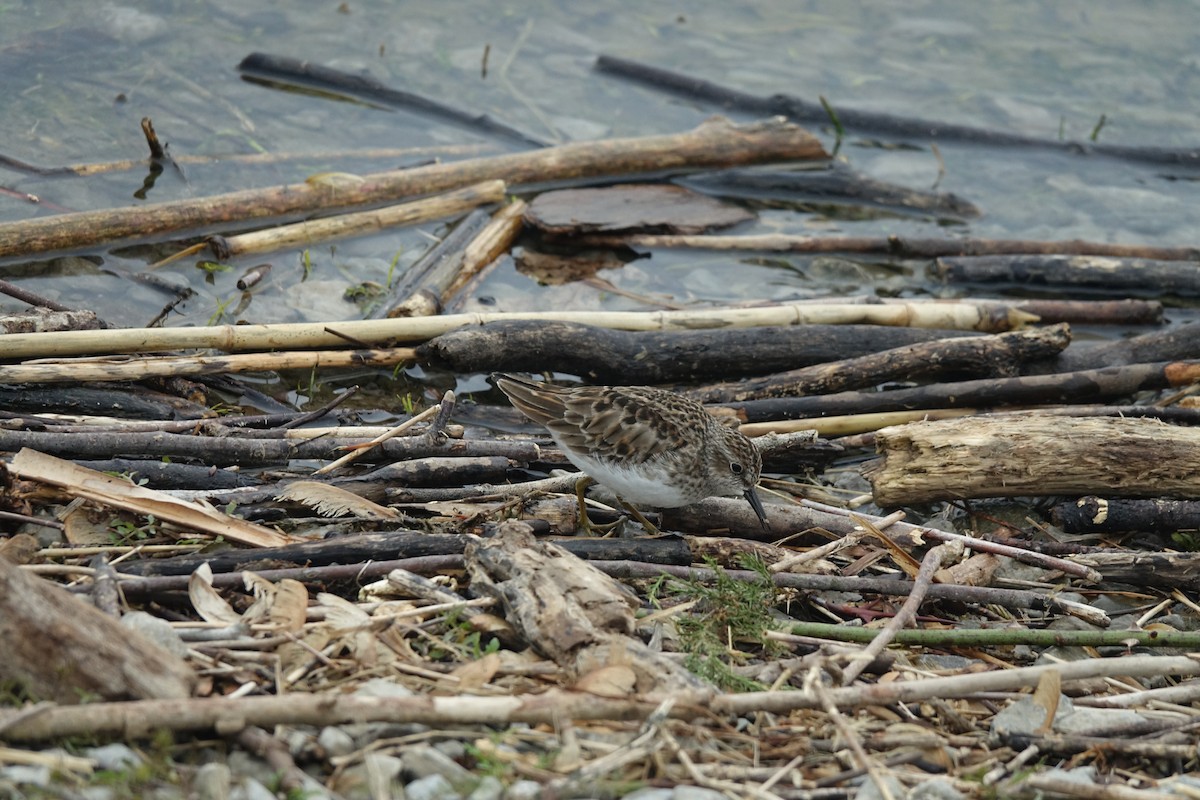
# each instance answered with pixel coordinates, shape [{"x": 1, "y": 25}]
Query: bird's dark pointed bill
[{"x": 752, "y": 498}]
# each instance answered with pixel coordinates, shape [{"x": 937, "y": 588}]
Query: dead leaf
[
  {"x": 208, "y": 603},
  {"x": 474, "y": 675}
]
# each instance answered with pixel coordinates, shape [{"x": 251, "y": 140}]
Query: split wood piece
[
  {"x": 958, "y": 459},
  {"x": 715, "y": 143},
  {"x": 1160, "y": 572},
  {"x": 874, "y": 122},
  {"x": 134, "y": 369},
  {"x": 481, "y": 255},
  {"x": 653, "y": 357},
  {"x": 994, "y": 356},
  {"x": 1120, "y": 515},
  {"x": 826, "y": 184},
  {"x": 1112, "y": 275},
  {"x": 1066, "y": 387},
  {"x": 77, "y": 481},
  {"x": 57, "y": 647},
  {"x": 416, "y": 294},
  {"x": 1175, "y": 344},
  {"x": 361, "y": 223},
  {"x": 247, "y": 452},
  {"x": 893, "y": 246},
  {"x": 137, "y": 719},
  {"x": 291, "y": 335},
  {"x": 571, "y": 612},
  {"x": 631, "y": 208}
]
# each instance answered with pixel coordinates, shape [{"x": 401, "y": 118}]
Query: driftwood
[
  {"x": 98, "y": 400},
  {"x": 630, "y": 357},
  {"x": 716, "y": 143},
  {"x": 892, "y": 246},
  {"x": 1057, "y": 388},
  {"x": 834, "y": 183},
  {"x": 999, "y": 355},
  {"x": 990, "y": 318},
  {"x": 873, "y": 122},
  {"x": 291, "y": 71},
  {"x": 57, "y": 647},
  {"x": 1011, "y": 457},
  {"x": 1112, "y": 275},
  {"x": 1121, "y": 515},
  {"x": 251, "y": 452},
  {"x": 550, "y": 707},
  {"x": 133, "y": 369},
  {"x": 1175, "y": 344},
  {"x": 342, "y": 226},
  {"x": 1155, "y": 571}
]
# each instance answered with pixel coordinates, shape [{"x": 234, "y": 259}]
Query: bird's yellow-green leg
[
  {"x": 650, "y": 527},
  {"x": 580, "y": 497}
]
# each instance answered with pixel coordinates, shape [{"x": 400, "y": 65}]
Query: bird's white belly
[{"x": 649, "y": 485}]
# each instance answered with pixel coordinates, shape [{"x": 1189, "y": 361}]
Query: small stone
[
  {"x": 689, "y": 792},
  {"x": 489, "y": 788},
  {"x": 423, "y": 761},
  {"x": 335, "y": 742},
  {"x": 868, "y": 790},
  {"x": 524, "y": 790},
  {"x": 156, "y": 630},
  {"x": 25, "y": 775},
  {"x": 211, "y": 782},
  {"x": 431, "y": 787},
  {"x": 114, "y": 757},
  {"x": 650, "y": 793},
  {"x": 250, "y": 789},
  {"x": 936, "y": 789}
]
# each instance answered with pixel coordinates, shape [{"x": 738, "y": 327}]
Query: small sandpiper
[{"x": 649, "y": 446}]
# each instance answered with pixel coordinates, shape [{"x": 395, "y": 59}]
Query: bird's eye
[{"x": 736, "y": 468}]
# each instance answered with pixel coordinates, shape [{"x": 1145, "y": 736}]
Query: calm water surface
[{"x": 78, "y": 76}]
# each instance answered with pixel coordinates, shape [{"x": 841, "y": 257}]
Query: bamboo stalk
[
  {"x": 715, "y": 143},
  {"x": 286, "y": 336},
  {"x": 343, "y": 226}
]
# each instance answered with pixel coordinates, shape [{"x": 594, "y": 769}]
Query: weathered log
[
  {"x": 1176, "y": 344},
  {"x": 637, "y": 357},
  {"x": 1007, "y": 456},
  {"x": 1113, "y": 275},
  {"x": 570, "y": 611},
  {"x": 996, "y": 356},
  {"x": 57, "y": 647},
  {"x": 893, "y": 246},
  {"x": 1161, "y": 572},
  {"x": 715, "y": 143},
  {"x": 1058, "y": 388},
  {"x": 830, "y": 184},
  {"x": 1120, "y": 515}
]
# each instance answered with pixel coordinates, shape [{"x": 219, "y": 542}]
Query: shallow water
[{"x": 79, "y": 76}]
